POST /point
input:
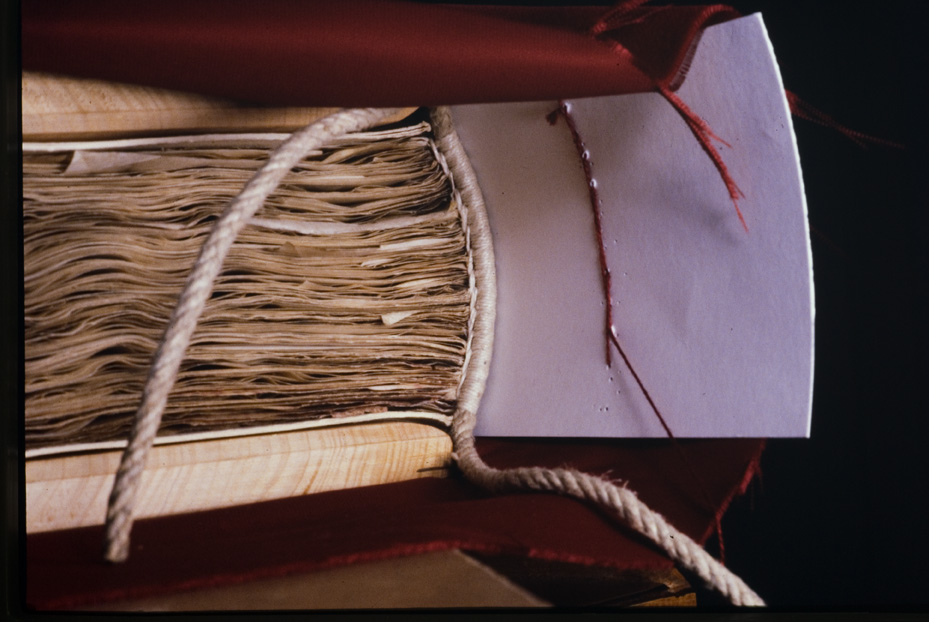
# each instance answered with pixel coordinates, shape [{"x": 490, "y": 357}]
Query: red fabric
[
  {"x": 358, "y": 52},
  {"x": 65, "y": 569}
]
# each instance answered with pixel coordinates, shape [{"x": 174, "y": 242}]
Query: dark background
[{"x": 839, "y": 520}]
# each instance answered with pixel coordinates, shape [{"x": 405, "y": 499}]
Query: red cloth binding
[{"x": 65, "y": 569}]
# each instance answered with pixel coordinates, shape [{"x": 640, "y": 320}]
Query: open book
[
  {"x": 708, "y": 313},
  {"x": 336, "y": 330}
]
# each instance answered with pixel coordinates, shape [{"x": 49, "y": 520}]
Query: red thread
[
  {"x": 828, "y": 241},
  {"x": 617, "y": 17},
  {"x": 638, "y": 381},
  {"x": 620, "y": 16},
  {"x": 597, "y": 207},
  {"x": 805, "y": 111},
  {"x": 704, "y": 135}
]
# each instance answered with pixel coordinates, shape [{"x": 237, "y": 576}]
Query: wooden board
[
  {"x": 62, "y": 108},
  {"x": 72, "y": 491}
]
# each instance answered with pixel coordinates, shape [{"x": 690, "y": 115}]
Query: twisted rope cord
[
  {"x": 621, "y": 501},
  {"x": 199, "y": 285}
]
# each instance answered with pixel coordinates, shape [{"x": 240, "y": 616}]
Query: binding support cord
[{"x": 620, "y": 501}]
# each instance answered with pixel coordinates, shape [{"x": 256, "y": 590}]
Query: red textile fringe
[
  {"x": 803, "y": 110},
  {"x": 704, "y": 135}
]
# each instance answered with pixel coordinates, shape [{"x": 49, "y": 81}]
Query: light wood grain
[
  {"x": 71, "y": 491},
  {"x": 63, "y": 108}
]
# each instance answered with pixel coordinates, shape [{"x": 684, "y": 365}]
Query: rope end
[{"x": 115, "y": 552}]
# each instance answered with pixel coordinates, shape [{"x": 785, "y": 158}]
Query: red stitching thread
[
  {"x": 704, "y": 135},
  {"x": 803, "y": 110},
  {"x": 597, "y": 207}
]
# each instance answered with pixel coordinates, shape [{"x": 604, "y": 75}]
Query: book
[{"x": 344, "y": 305}]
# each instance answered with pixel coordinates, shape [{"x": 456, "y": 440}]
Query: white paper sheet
[{"x": 717, "y": 322}]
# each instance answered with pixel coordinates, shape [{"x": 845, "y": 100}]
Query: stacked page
[{"x": 347, "y": 294}]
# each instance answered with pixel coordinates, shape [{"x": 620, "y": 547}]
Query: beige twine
[{"x": 621, "y": 501}]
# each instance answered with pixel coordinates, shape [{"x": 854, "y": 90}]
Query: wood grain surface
[
  {"x": 64, "y": 108},
  {"x": 72, "y": 491}
]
